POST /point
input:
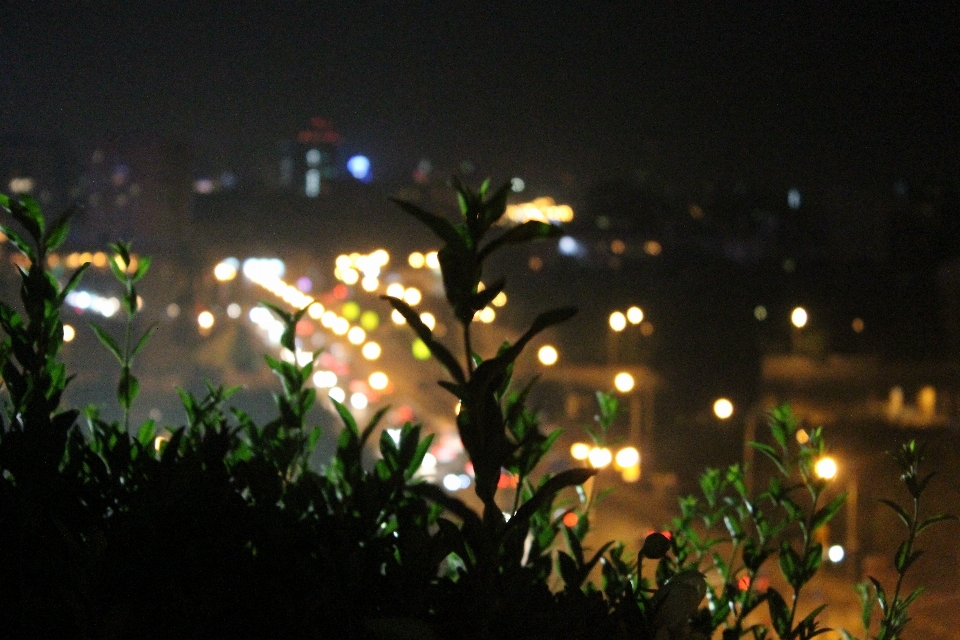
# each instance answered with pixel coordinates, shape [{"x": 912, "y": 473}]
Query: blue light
[
  {"x": 793, "y": 199},
  {"x": 359, "y": 167},
  {"x": 568, "y": 246}
]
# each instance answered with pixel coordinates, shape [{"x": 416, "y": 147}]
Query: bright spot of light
[
  {"x": 635, "y": 315},
  {"x": 451, "y": 482},
  {"x": 397, "y": 317},
  {"x": 371, "y": 351},
  {"x": 722, "y": 408},
  {"x": 599, "y": 457},
  {"x": 356, "y": 335},
  {"x": 760, "y": 312},
  {"x": 234, "y": 310},
  {"x": 173, "y": 310},
  {"x": 517, "y": 185},
  {"x": 358, "y": 401},
  {"x": 359, "y": 167},
  {"x": 412, "y": 296},
  {"x": 568, "y": 246},
  {"x": 486, "y": 315},
  {"x": 325, "y": 379},
  {"x": 369, "y": 283},
  {"x": 337, "y": 394},
  {"x": 205, "y": 320},
  {"x": 826, "y": 468},
  {"x": 429, "y": 462},
  {"x": 224, "y": 271},
  {"x": 623, "y": 382},
  {"x": 618, "y": 321},
  {"x": 433, "y": 260},
  {"x": 428, "y": 319},
  {"x": 793, "y": 199},
  {"x": 395, "y": 290},
  {"x": 69, "y": 333},
  {"x": 580, "y": 451},
  {"x": 417, "y": 260},
  {"x": 835, "y": 553},
  {"x": 500, "y": 300},
  {"x": 799, "y": 317},
  {"x": 378, "y": 380},
  {"x": 627, "y": 457},
  {"x": 547, "y": 355}
]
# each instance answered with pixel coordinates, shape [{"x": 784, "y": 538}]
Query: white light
[
  {"x": 340, "y": 326},
  {"x": 799, "y": 317},
  {"x": 416, "y": 260},
  {"x": 599, "y": 457},
  {"x": 397, "y": 317},
  {"x": 618, "y": 321},
  {"x": 464, "y": 481},
  {"x": 173, "y": 310},
  {"x": 324, "y": 379},
  {"x": 723, "y": 408},
  {"x": 429, "y": 462},
  {"x": 234, "y": 310},
  {"x": 378, "y": 380},
  {"x": 263, "y": 269},
  {"x": 371, "y": 351},
  {"x": 826, "y": 468},
  {"x": 623, "y": 382},
  {"x": 486, "y": 315},
  {"x": 359, "y": 167},
  {"x": 568, "y": 246},
  {"x": 428, "y": 319},
  {"x": 69, "y": 333},
  {"x": 547, "y": 355},
  {"x": 358, "y": 401},
  {"x": 580, "y": 451},
  {"x": 205, "y": 320},
  {"x": 793, "y": 199},
  {"x": 627, "y": 457},
  {"x": 337, "y": 394},
  {"x": 517, "y": 185},
  {"x": 304, "y": 358},
  {"x": 313, "y": 157},
  {"x": 451, "y": 482},
  {"x": 635, "y": 315},
  {"x": 412, "y": 296},
  {"x": 433, "y": 260},
  {"x": 835, "y": 553},
  {"x": 395, "y": 290},
  {"x": 312, "y": 186},
  {"x": 395, "y": 435},
  {"x": 369, "y": 283},
  {"x": 224, "y": 271},
  {"x": 356, "y": 335}
]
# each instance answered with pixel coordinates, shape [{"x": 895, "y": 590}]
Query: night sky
[{"x": 813, "y": 94}]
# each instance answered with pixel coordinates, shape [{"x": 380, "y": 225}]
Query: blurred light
[
  {"x": 340, "y": 326},
  {"x": 570, "y": 519},
  {"x": 260, "y": 269},
  {"x": 100, "y": 261},
  {"x": 857, "y": 325},
  {"x": 369, "y": 320},
  {"x": 359, "y": 167},
  {"x": 328, "y": 318},
  {"x": 350, "y": 310},
  {"x": 397, "y": 317},
  {"x": 618, "y": 321},
  {"x": 349, "y": 276},
  {"x": 69, "y": 333},
  {"x": 173, "y": 310},
  {"x": 378, "y": 380},
  {"x": 464, "y": 481},
  {"x": 395, "y": 435},
  {"x": 429, "y": 462},
  {"x": 371, "y": 351},
  {"x": 395, "y": 290},
  {"x": 315, "y": 311},
  {"x": 369, "y": 283},
  {"x": 580, "y": 451},
  {"x": 541, "y": 210},
  {"x": 205, "y": 320},
  {"x": 618, "y": 246},
  {"x": 799, "y": 317},
  {"x": 324, "y": 379},
  {"x": 517, "y": 185},
  {"x": 722, "y": 408},
  {"x": 433, "y": 260},
  {"x": 21, "y": 185},
  {"x": 337, "y": 394},
  {"x": 304, "y": 284},
  {"x": 793, "y": 199},
  {"x": 568, "y": 246},
  {"x": 635, "y": 315},
  {"x": 420, "y": 350},
  {"x": 312, "y": 186},
  {"x": 652, "y": 248},
  {"x": 826, "y": 468},
  {"x": 599, "y": 457},
  {"x": 380, "y": 257},
  {"x": 802, "y": 436},
  {"x": 627, "y": 457},
  {"x": 835, "y": 553},
  {"x": 412, "y": 296},
  {"x": 358, "y": 401},
  {"x": 760, "y": 312},
  {"x": 233, "y": 310},
  {"x": 313, "y": 157},
  {"x": 356, "y": 335},
  {"x": 547, "y": 355},
  {"x": 428, "y": 319},
  {"x": 451, "y": 482},
  {"x": 416, "y": 260},
  {"x": 623, "y": 382},
  {"x": 486, "y": 315},
  {"x": 343, "y": 262},
  {"x": 500, "y": 300}
]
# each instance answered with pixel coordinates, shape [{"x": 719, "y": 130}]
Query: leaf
[
  {"x": 107, "y": 341},
  {"x": 26, "y": 211},
  {"x": 423, "y": 332},
  {"x": 347, "y": 418},
  {"x": 529, "y": 230},
  {"x": 454, "y": 505},
  {"x": 779, "y": 612},
  {"x": 900, "y": 511},
  {"x": 16, "y": 240},
  {"x": 440, "y": 226},
  {"x": 771, "y": 453},
  {"x": 127, "y": 389},
  {"x": 932, "y": 520},
  {"x": 546, "y": 493},
  {"x": 142, "y": 341},
  {"x": 57, "y": 232},
  {"x": 142, "y": 266},
  {"x": 146, "y": 433},
  {"x": 72, "y": 282},
  {"x": 881, "y": 596},
  {"x": 826, "y": 514}
]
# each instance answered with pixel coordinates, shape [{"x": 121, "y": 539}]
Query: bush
[{"x": 223, "y": 529}]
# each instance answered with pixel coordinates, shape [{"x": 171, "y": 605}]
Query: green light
[
  {"x": 420, "y": 350},
  {"x": 350, "y": 311},
  {"x": 369, "y": 320}
]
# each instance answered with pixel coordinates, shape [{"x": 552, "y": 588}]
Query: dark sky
[{"x": 806, "y": 92}]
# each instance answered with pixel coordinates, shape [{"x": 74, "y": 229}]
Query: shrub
[{"x": 224, "y": 529}]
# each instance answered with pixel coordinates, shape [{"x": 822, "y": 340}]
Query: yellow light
[
  {"x": 328, "y": 318},
  {"x": 356, "y": 335},
  {"x": 343, "y": 262},
  {"x": 224, "y": 271},
  {"x": 428, "y": 319},
  {"x": 349, "y": 276},
  {"x": 623, "y": 382},
  {"x": 100, "y": 260},
  {"x": 487, "y": 315},
  {"x": 635, "y": 315},
  {"x": 205, "y": 320},
  {"x": 652, "y": 247},
  {"x": 341, "y": 326},
  {"x": 627, "y": 457},
  {"x": 412, "y": 296},
  {"x": 599, "y": 458},
  {"x": 433, "y": 260},
  {"x": 826, "y": 468},
  {"x": 417, "y": 260},
  {"x": 369, "y": 283},
  {"x": 395, "y": 290},
  {"x": 380, "y": 257},
  {"x": 397, "y": 317},
  {"x": 371, "y": 351},
  {"x": 350, "y": 310},
  {"x": 618, "y": 321},
  {"x": 723, "y": 408},
  {"x": 547, "y": 355},
  {"x": 378, "y": 380},
  {"x": 420, "y": 350},
  {"x": 580, "y": 451},
  {"x": 857, "y": 325},
  {"x": 799, "y": 317},
  {"x": 69, "y": 333},
  {"x": 315, "y": 311},
  {"x": 802, "y": 436},
  {"x": 369, "y": 320},
  {"x": 500, "y": 300}
]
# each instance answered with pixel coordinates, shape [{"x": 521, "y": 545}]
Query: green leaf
[
  {"x": 72, "y": 282},
  {"x": 900, "y": 511},
  {"x": 26, "y": 211},
  {"x": 142, "y": 266},
  {"x": 16, "y": 240},
  {"x": 529, "y": 230},
  {"x": 107, "y": 341},
  {"x": 826, "y": 514},
  {"x": 440, "y": 226},
  {"x": 779, "y": 612},
  {"x": 142, "y": 341},
  {"x": 546, "y": 493},
  {"x": 423, "y": 332},
  {"x": 127, "y": 389},
  {"x": 771, "y": 453},
  {"x": 57, "y": 232},
  {"x": 932, "y": 520},
  {"x": 347, "y": 418},
  {"x": 146, "y": 433}
]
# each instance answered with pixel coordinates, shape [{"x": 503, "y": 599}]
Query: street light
[
  {"x": 798, "y": 317},
  {"x": 723, "y": 408},
  {"x": 618, "y": 321},
  {"x": 547, "y": 355},
  {"x": 623, "y": 382},
  {"x": 826, "y": 468}
]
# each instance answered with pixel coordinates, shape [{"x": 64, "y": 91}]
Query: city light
[
  {"x": 799, "y": 317},
  {"x": 428, "y": 319},
  {"x": 486, "y": 315},
  {"x": 826, "y": 468},
  {"x": 500, "y": 300},
  {"x": 433, "y": 260},
  {"x": 547, "y": 355},
  {"x": 356, "y": 335},
  {"x": 378, "y": 380},
  {"x": 369, "y": 283},
  {"x": 358, "y": 401},
  {"x": 412, "y": 296},
  {"x": 420, "y": 350},
  {"x": 600, "y": 457},
  {"x": 417, "y": 260},
  {"x": 371, "y": 351},
  {"x": 324, "y": 379},
  {"x": 205, "y": 320},
  {"x": 835, "y": 553},
  {"x": 234, "y": 311},
  {"x": 627, "y": 457},
  {"x": 69, "y": 333},
  {"x": 623, "y": 382},
  {"x": 395, "y": 290},
  {"x": 225, "y": 271},
  {"x": 618, "y": 321},
  {"x": 580, "y": 451},
  {"x": 541, "y": 210},
  {"x": 397, "y": 317},
  {"x": 635, "y": 315},
  {"x": 337, "y": 394},
  {"x": 722, "y": 408}
]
